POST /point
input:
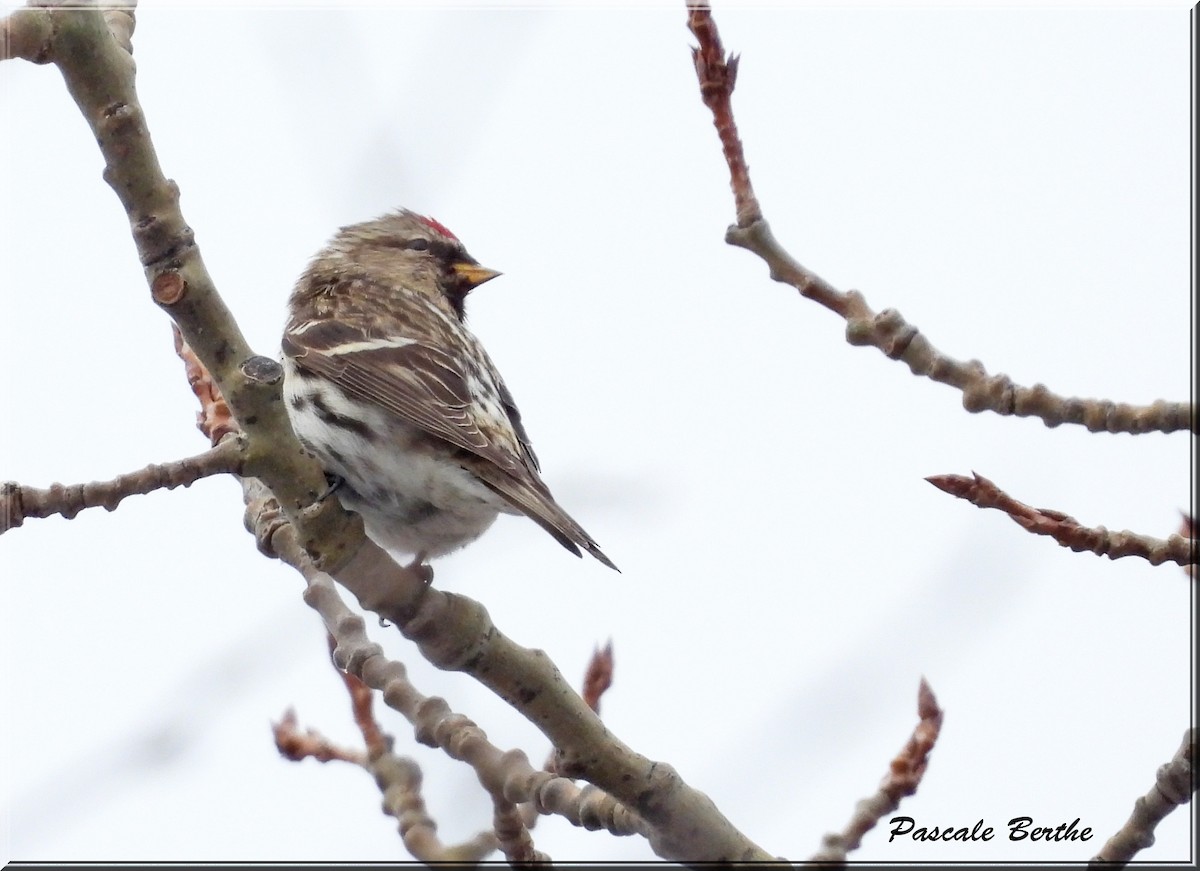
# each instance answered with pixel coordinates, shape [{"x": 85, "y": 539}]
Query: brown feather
[{"x": 424, "y": 385}]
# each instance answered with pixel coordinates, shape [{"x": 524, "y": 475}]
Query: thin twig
[
  {"x": 295, "y": 745},
  {"x": 598, "y": 678},
  {"x": 362, "y": 705},
  {"x": 1066, "y": 530},
  {"x": 1174, "y": 786},
  {"x": 901, "y": 781},
  {"x": 398, "y": 778},
  {"x": 19, "y": 502},
  {"x": 888, "y": 330},
  {"x": 718, "y": 76}
]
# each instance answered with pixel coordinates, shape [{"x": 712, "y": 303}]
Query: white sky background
[{"x": 1015, "y": 181}]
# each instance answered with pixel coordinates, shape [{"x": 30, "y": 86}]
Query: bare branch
[
  {"x": 90, "y": 47},
  {"x": 902, "y": 780},
  {"x": 456, "y": 633},
  {"x": 435, "y": 725},
  {"x": 718, "y": 75},
  {"x": 888, "y": 330},
  {"x": 399, "y": 779},
  {"x": 1066, "y": 530},
  {"x": 513, "y": 835},
  {"x": 1174, "y": 786},
  {"x": 18, "y": 502},
  {"x": 214, "y": 419}
]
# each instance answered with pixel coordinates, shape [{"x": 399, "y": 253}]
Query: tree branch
[
  {"x": 506, "y": 773},
  {"x": 18, "y": 502},
  {"x": 888, "y": 330},
  {"x": 86, "y": 44},
  {"x": 902, "y": 780},
  {"x": 456, "y": 633},
  {"x": 1066, "y": 530},
  {"x": 1174, "y": 786},
  {"x": 718, "y": 75},
  {"x": 398, "y": 777}
]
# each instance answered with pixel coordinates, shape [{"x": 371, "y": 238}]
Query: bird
[{"x": 398, "y": 400}]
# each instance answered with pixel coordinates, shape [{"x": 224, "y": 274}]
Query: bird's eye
[{"x": 417, "y": 245}]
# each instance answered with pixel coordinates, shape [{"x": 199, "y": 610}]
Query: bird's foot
[
  {"x": 334, "y": 483},
  {"x": 421, "y": 569}
]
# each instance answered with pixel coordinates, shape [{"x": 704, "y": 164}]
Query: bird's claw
[
  {"x": 334, "y": 482},
  {"x": 421, "y": 569}
]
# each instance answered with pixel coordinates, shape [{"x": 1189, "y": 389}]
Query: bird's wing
[
  {"x": 428, "y": 387},
  {"x": 417, "y": 382}
]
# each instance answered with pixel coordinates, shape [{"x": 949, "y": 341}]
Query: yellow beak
[{"x": 474, "y": 274}]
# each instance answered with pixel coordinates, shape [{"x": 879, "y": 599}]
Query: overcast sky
[{"x": 1015, "y": 181}]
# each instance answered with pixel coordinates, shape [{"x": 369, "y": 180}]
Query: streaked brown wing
[
  {"x": 425, "y": 386},
  {"x": 418, "y": 383}
]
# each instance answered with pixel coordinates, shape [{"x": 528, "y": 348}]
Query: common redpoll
[{"x": 387, "y": 387}]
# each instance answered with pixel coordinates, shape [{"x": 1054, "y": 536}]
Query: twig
[
  {"x": 718, "y": 76},
  {"x": 902, "y": 780},
  {"x": 1174, "y": 786},
  {"x": 1066, "y": 530},
  {"x": 513, "y": 836},
  {"x": 214, "y": 418},
  {"x": 598, "y": 678},
  {"x": 399, "y": 779},
  {"x": 362, "y": 705},
  {"x": 18, "y": 502},
  {"x": 888, "y": 330},
  {"x": 434, "y": 723},
  {"x": 296, "y": 745}
]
